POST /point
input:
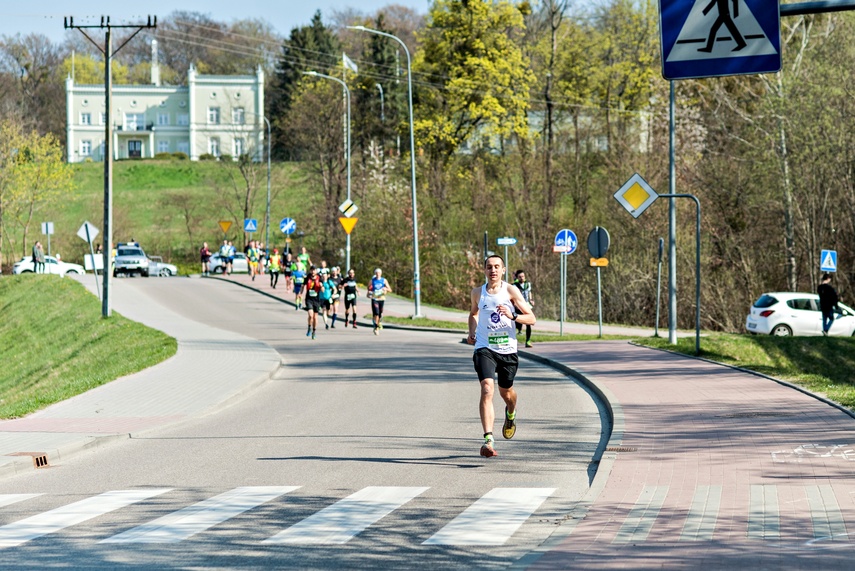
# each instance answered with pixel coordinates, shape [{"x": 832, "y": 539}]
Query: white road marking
[
  {"x": 191, "y": 520},
  {"x": 52, "y": 521},
  {"x": 702, "y": 516},
  {"x": 764, "y": 516},
  {"x": 493, "y": 519},
  {"x": 825, "y": 513},
  {"x": 637, "y": 524},
  {"x": 9, "y": 499},
  {"x": 340, "y": 522}
]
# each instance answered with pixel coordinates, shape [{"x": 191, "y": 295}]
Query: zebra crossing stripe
[
  {"x": 493, "y": 519},
  {"x": 52, "y": 521},
  {"x": 637, "y": 524},
  {"x": 764, "y": 517},
  {"x": 702, "y": 516},
  {"x": 342, "y": 521},
  {"x": 825, "y": 513},
  {"x": 9, "y": 499},
  {"x": 191, "y": 520}
]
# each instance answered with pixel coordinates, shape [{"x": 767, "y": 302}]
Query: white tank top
[{"x": 494, "y": 330}]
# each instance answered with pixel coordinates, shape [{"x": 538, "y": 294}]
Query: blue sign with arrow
[
  {"x": 828, "y": 261},
  {"x": 288, "y": 225},
  {"x": 711, "y": 38},
  {"x": 565, "y": 242}
]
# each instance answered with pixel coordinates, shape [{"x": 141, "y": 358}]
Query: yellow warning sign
[
  {"x": 636, "y": 195},
  {"x": 225, "y": 225},
  {"x": 599, "y": 262},
  {"x": 348, "y": 224}
]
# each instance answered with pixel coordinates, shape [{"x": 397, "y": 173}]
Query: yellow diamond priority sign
[{"x": 636, "y": 195}]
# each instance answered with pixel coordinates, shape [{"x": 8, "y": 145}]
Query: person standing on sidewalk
[
  {"x": 314, "y": 288},
  {"x": 38, "y": 258},
  {"x": 351, "y": 294},
  {"x": 273, "y": 267},
  {"x": 525, "y": 289},
  {"x": 378, "y": 287},
  {"x": 494, "y": 307},
  {"x": 827, "y": 302},
  {"x": 205, "y": 258}
]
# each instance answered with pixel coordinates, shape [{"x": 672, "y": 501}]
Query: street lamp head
[
  {"x": 310, "y": 73},
  {"x": 360, "y": 28}
]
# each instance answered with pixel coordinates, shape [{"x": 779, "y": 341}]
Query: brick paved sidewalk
[
  {"x": 210, "y": 367},
  {"x": 720, "y": 469}
]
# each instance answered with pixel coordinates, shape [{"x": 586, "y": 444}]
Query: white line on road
[
  {"x": 340, "y": 522},
  {"x": 702, "y": 516},
  {"x": 642, "y": 516},
  {"x": 825, "y": 513},
  {"x": 9, "y": 499},
  {"x": 52, "y": 521},
  {"x": 764, "y": 517},
  {"x": 191, "y": 520},
  {"x": 493, "y": 519}
]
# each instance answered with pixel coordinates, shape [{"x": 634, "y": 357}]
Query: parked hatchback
[
  {"x": 52, "y": 266},
  {"x": 240, "y": 265},
  {"x": 788, "y": 313}
]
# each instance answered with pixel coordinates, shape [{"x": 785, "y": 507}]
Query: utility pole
[{"x": 109, "y": 52}]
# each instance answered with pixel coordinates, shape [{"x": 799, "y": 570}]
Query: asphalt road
[{"x": 378, "y": 435}]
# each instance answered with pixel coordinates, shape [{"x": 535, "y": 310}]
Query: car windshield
[
  {"x": 765, "y": 301},
  {"x": 130, "y": 252}
]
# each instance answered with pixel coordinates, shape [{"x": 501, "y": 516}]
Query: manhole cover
[{"x": 621, "y": 449}]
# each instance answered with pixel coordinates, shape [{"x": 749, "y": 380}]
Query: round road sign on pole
[
  {"x": 598, "y": 242},
  {"x": 288, "y": 225},
  {"x": 565, "y": 242}
]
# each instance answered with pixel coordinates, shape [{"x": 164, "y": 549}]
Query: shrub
[
  {"x": 226, "y": 158},
  {"x": 207, "y": 157},
  {"x": 180, "y": 156},
  {"x": 163, "y": 156}
]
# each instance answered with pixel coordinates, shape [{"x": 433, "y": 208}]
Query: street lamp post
[
  {"x": 267, "y": 216},
  {"x": 416, "y": 285},
  {"x": 347, "y": 96}
]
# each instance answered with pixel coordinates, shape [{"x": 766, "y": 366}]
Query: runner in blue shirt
[{"x": 378, "y": 287}]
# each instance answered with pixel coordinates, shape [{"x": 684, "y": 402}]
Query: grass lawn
[
  {"x": 824, "y": 365},
  {"x": 424, "y": 322},
  {"x": 54, "y": 343}
]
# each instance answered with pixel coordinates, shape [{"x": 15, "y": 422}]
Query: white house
[{"x": 213, "y": 114}]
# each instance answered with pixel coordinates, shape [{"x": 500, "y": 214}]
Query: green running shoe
[{"x": 510, "y": 427}]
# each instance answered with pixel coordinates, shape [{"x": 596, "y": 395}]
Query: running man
[
  {"x": 299, "y": 278},
  {"x": 314, "y": 287},
  {"x": 377, "y": 290},
  {"x": 205, "y": 257},
  {"x": 252, "y": 257},
  {"x": 494, "y": 307},
  {"x": 525, "y": 289},
  {"x": 304, "y": 257},
  {"x": 273, "y": 267},
  {"x": 351, "y": 293},
  {"x": 326, "y": 299},
  {"x": 287, "y": 270},
  {"x": 335, "y": 279},
  {"x": 224, "y": 257}
]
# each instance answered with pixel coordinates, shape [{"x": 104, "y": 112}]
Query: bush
[
  {"x": 180, "y": 156},
  {"x": 226, "y": 158},
  {"x": 207, "y": 157},
  {"x": 163, "y": 156}
]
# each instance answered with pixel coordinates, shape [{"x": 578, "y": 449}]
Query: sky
[{"x": 46, "y": 16}]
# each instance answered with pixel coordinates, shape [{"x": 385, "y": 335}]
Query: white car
[
  {"x": 240, "y": 265},
  {"x": 788, "y": 313},
  {"x": 52, "y": 266},
  {"x": 157, "y": 267}
]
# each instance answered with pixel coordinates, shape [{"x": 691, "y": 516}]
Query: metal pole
[
  {"x": 416, "y": 271},
  {"x": 507, "y": 264},
  {"x": 563, "y": 299},
  {"x": 599, "y": 302},
  {"x": 672, "y": 228},
  {"x": 108, "y": 174},
  {"x": 697, "y": 266},
  {"x": 267, "y": 216},
  {"x": 658, "y": 286},
  {"x": 48, "y": 244}
]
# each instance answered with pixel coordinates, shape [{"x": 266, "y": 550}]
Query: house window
[
  {"x": 102, "y": 118},
  {"x": 184, "y": 119},
  {"x": 184, "y": 147},
  {"x": 85, "y": 148},
  {"x": 134, "y": 122},
  {"x": 238, "y": 116},
  {"x": 86, "y": 118},
  {"x": 240, "y": 147},
  {"x": 163, "y": 146},
  {"x": 213, "y": 115},
  {"x": 214, "y": 146},
  {"x": 135, "y": 149},
  {"x": 163, "y": 118}
]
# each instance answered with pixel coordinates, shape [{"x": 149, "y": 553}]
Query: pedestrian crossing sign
[
  {"x": 711, "y": 38},
  {"x": 250, "y": 225},
  {"x": 828, "y": 261}
]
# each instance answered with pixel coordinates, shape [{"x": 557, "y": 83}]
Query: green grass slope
[{"x": 54, "y": 343}]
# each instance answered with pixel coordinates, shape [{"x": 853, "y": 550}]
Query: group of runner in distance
[{"x": 498, "y": 311}]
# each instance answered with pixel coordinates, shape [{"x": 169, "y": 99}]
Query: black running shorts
[
  {"x": 349, "y": 302},
  {"x": 377, "y": 307},
  {"x": 313, "y": 304},
  {"x": 492, "y": 365}
]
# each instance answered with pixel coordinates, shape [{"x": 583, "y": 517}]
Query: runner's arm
[
  {"x": 473, "y": 314},
  {"x": 524, "y": 314}
]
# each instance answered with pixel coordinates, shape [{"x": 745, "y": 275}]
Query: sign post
[
  {"x": 598, "y": 244},
  {"x": 47, "y": 229},
  {"x": 565, "y": 244},
  {"x": 506, "y": 241},
  {"x": 250, "y": 225},
  {"x": 658, "y": 286},
  {"x": 828, "y": 261},
  {"x": 224, "y": 226},
  {"x": 635, "y": 196},
  {"x": 288, "y": 227},
  {"x": 88, "y": 232},
  {"x": 348, "y": 208}
]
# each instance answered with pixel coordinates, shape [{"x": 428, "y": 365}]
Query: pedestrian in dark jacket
[{"x": 827, "y": 302}]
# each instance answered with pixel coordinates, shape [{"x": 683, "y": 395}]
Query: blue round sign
[
  {"x": 288, "y": 225},
  {"x": 565, "y": 242}
]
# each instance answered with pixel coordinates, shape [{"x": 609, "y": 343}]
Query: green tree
[{"x": 89, "y": 70}]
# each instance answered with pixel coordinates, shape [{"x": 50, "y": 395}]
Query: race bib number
[
  {"x": 313, "y": 293},
  {"x": 351, "y": 296},
  {"x": 498, "y": 340}
]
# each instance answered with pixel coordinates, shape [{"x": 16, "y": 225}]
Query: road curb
[
  {"x": 606, "y": 458},
  {"x": 802, "y": 390}
]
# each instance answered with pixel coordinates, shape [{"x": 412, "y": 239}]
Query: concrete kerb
[
  {"x": 802, "y": 390},
  {"x": 606, "y": 458}
]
